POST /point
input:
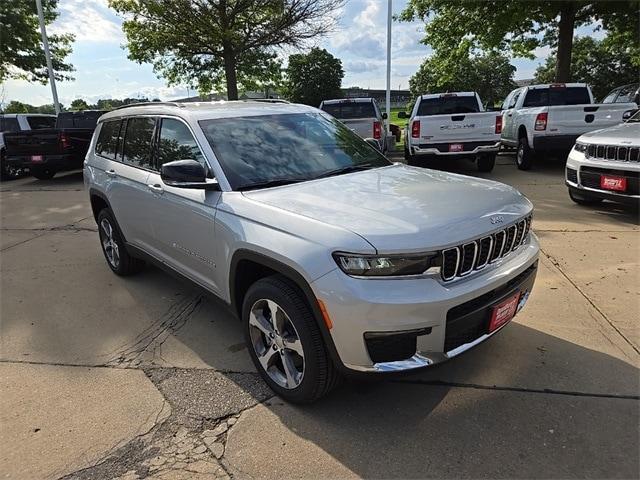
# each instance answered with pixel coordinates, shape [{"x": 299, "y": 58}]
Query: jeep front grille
[
  {"x": 475, "y": 255},
  {"x": 614, "y": 152}
]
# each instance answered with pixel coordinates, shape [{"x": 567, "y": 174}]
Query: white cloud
[{"x": 89, "y": 20}]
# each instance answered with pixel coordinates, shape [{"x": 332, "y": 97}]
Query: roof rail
[
  {"x": 266, "y": 100},
  {"x": 144, "y": 104}
]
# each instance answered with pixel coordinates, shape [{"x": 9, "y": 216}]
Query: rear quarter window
[
  {"x": 107, "y": 143},
  {"x": 447, "y": 106},
  {"x": 346, "y": 110},
  {"x": 552, "y": 96}
]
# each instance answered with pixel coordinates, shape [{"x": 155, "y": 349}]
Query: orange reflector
[{"x": 325, "y": 315}]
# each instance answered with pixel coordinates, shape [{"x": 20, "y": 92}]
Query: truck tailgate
[
  {"x": 361, "y": 126},
  {"x": 33, "y": 142},
  {"x": 579, "y": 119},
  {"x": 459, "y": 128}
]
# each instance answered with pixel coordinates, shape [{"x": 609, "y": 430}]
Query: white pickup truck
[
  {"x": 452, "y": 125},
  {"x": 549, "y": 118},
  {"x": 361, "y": 115}
]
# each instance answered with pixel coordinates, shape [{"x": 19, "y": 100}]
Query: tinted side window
[
  {"x": 41, "y": 122},
  {"x": 9, "y": 125},
  {"x": 177, "y": 143},
  {"x": 137, "y": 142},
  {"x": 446, "y": 105},
  {"x": 107, "y": 142}
]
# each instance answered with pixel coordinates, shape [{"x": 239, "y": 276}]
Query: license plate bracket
[
  {"x": 36, "y": 158},
  {"x": 504, "y": 311},
  {"x": 613, "y": 182}
]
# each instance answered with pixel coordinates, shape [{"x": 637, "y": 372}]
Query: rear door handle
[
  {"x": 156, "y": 188},
  {"x": 111, "y": 173}
]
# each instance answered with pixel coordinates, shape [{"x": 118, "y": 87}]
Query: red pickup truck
[{"x": 48, "y": 151}]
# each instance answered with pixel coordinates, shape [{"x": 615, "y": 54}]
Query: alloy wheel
[
  {"x": 109, "y": 244},
  {"x": 276, "y": 343}
]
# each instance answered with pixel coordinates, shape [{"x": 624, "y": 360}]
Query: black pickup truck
[{"x": 48, "y": 151}]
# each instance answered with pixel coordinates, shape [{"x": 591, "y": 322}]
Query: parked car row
[
  {"x": 54, "y": 144},
  {"x": 19, "y": 122}
]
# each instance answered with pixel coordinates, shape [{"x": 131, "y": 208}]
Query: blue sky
[{"x": 103, "y": 70}]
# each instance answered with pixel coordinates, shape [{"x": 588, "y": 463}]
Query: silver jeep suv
[{"x": 335, "y": 259}]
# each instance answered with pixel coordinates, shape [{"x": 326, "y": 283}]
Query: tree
[
  {"x": 79, "y": 104},
  {"x": 518, "y": 27},
  {"x": 21, "y": 53},
  {"x": 600, "y": 64},
  {"x": 313, "y": 77},
  {"x": 491, "y": 75},
  {"x": 18, "y": 107},
  {"x": 208, "y": 43}
]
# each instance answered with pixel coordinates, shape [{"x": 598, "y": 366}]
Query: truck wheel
[
  {"x": 114, "y": 248},
  {"x": 285, "y": 342},
  {"x": 485, "y": 163},
  {"x": 42, "y": 173},
  {"x": 582, "y": 199},
  {"x": 524, "y": 155}
]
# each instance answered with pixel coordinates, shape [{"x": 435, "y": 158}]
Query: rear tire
[
  {"x": 582, "y": 199},
  {"x": 524, "y": 154},
  {"x": 486, "y": 162},
  {"x": 276, "y": 339},
  {"x": 43, "y": 173},
  {"x": 114, "y": 248}
]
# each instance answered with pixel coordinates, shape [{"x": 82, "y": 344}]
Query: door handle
[
  {"x": 111, "y": 173},
  {"x": 156, "y": 188}
]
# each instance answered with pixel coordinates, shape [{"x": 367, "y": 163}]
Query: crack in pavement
[
  {"x": 70, "y": 227},
  {"x": 556, "y": 264},
  {"x": 547, "y": 391},
  {"x": 157, "y": 333}
]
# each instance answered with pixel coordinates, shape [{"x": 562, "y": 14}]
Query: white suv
[{"x": 335, "y": 259}]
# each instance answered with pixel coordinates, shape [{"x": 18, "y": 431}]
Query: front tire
[
  {"x": 43, "y": 173},
  {"x": 485, "y": 163},
  {"x": 582, "y": 199},
  {"x": 285, "y": 342},
  {"x": 114, "y": 248},
  {"x": 524, "y": 155}
]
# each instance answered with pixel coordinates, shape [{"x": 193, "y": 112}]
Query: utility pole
[
  {"x": 47, "y": 54},
  {"x": 388, "y": 102}
]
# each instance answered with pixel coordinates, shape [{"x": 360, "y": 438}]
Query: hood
[
  {"x": 403, "y": 209},
  {"x": 624, "y": 134}
]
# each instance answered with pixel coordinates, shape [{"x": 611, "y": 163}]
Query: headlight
[
  {"x": 580, "y": 147},
  {"x": 384, "y": 265}
]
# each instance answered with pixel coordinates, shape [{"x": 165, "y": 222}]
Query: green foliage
[
  {"x": 454, "y": 27},
  {"x": 602, "y": 64},
  {"x": 18, "y": 107},
  {"x": 313, "y": 77},
  {"x": 79, "y": 104},
  {"x": 21, "y": 52},
  {"x": 220, "y": 42},
  {"x": 491, "y": 75}
]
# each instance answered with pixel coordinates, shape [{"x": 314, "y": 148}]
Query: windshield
[
  {"x": 286, "y": 148},
  {"x": 550, "y": 96},
  {"x": 448, "y": 105},
  {"x": 349, "y": 110}
]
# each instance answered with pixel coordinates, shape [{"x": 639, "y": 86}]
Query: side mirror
[
  {"x": 374, "y": 143},
  {"x": 186, "y": 174},
  {"x": 628, "y": 114},
  {"x": 403, "y": 115},
  {"x": 384, "y": 116}
]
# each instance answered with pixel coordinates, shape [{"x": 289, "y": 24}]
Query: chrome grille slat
[
  {"x": 462, "y": 260},
  {"x": 620, "y": 153}
]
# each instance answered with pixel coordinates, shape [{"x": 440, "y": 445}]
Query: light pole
[
  {"x": 388, "y": 99},
  {"x": 47, "y": 54}
]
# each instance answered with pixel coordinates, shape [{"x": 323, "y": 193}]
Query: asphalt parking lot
[{"x": 147, "y": 377}]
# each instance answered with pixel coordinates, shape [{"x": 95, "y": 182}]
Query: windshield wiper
[
  {"x": 276, "y": 182},
  {"x": 347, "y": 169}
]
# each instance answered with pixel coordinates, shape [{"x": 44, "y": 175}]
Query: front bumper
[
  {"x": 425, "y": 307},
  {"x": 582, "y": 174},
  {"x": 469, "y": 149}
]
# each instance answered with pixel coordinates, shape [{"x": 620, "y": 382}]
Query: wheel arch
[
  {"x": 98, "y": 202},
  {"x": 248, "y": 266}
]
